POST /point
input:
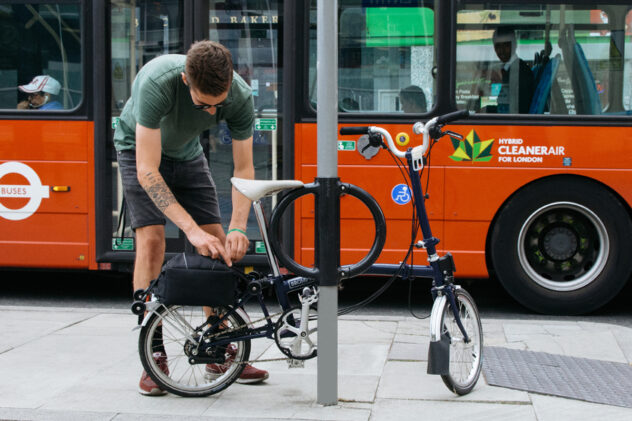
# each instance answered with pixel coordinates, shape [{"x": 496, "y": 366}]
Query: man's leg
[{"x": 150, "y": 253}]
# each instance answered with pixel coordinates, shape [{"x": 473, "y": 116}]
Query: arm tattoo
[{"x": 158, "y": 191}]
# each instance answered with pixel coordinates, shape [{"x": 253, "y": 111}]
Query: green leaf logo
[{"x": 472, "y": 148}]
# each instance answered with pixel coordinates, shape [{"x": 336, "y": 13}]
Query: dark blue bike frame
[
  {"x": 282, "y": 288},
  {"x": 433, "y": 270}
]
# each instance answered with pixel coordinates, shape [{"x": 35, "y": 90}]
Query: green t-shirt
[{"x": 161, "y": 100}]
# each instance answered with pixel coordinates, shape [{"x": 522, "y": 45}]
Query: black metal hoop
[{"x": 347, "y": 271}]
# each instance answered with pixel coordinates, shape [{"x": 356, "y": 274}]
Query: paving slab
[
  {"x": 415, "y": 410},
  {"x": 409, "y": 380},
  {"x": 87, "y": 367},
  {"x": 15, "y": 414},
  {"x": 20, "y": 327},
  {"x": 548, "y": 408}
]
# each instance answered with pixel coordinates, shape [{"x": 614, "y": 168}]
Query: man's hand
[
  {"x": 236, "y": 245},
  {"x": 23, "y": 105},
  {"x": 209, "y": 245}
]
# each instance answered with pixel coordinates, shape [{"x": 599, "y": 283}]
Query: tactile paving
[{"x": 585, "y": 379}]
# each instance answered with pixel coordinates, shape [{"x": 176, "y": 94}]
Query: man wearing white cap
[{"x": 42, "y": 91}]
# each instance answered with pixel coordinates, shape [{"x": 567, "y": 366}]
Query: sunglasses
[{"x": 207, "y": 106}]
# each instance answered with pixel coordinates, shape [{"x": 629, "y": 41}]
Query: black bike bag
[{"x": 191, "y": 279}]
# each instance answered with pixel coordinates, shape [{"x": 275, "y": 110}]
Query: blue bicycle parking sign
[{"x": 401, "y": 194}]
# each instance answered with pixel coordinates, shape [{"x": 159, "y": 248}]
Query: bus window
[
  {"x": 140, "y": 31},
  {"x": 249, "y": 29},
  {"x": 386, "y": 57},
  {"x": 627, "y": 67},
  {"x": 40, "y": 56},
  {"x": 559, "y": 59}
]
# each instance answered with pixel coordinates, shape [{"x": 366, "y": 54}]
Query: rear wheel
[
  {"x": 465, "y": 357},
  {"x": 172, "y": 335},
  {"x": 562, "y": 245}
]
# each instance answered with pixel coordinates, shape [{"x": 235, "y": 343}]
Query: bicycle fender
[
  {"x": 435, "y": 318},
  {"x": 152, "y": 306}
]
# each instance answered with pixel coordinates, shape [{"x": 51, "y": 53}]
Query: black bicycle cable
[
  {"x": 415, "y": 226},
  {"x": 389, "y": 282}
]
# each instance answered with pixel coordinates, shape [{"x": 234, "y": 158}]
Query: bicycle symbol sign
[
  {"x": 34, "y": 191},
  {"x": 401, "y": 194}
]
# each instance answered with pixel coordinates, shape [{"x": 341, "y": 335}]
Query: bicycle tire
[
  {"x": 183, "y": 378},
  {"x": 466, "y": 360}
]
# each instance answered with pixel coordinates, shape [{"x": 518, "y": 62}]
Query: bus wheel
[{"x": 561, "y": 246}]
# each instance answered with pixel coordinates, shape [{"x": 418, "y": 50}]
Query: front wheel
[
  {"x": 466, "y": 358},
  {"x": 173, "y": 334}
]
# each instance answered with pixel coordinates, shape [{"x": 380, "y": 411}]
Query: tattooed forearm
[{"x": 158, "y": 191}]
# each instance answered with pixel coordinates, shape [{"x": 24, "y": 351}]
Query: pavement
[{"x": 82, "y": 364}]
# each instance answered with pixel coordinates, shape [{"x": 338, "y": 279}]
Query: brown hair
[{"x": 209, "y": 67}]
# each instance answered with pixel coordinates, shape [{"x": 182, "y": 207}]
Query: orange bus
[{"x": 537, "y": 194}]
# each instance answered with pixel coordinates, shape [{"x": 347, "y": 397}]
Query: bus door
[
  {"x": 143, "y": 30},
  {"x": 249, "y": 29},
  {"x": 46, "y": 136},
  {"x": 140, "y": 30}
]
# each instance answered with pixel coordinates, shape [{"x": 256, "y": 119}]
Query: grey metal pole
[{"x": 327, "y": 154}]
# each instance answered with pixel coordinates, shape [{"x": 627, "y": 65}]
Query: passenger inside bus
[
  {"x": 413, "y": 100},
  {"x": 42, "y": 94},
  {"x": 514, "y": 77}
]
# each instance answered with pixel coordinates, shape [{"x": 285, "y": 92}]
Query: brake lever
[{"x": 453, "y": 134}]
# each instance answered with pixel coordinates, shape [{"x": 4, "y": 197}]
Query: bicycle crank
[{"x": 295, "y": 332}]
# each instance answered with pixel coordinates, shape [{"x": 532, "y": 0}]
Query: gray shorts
[{"x": 190, "y": 182}]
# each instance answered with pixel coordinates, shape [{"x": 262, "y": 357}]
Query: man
[
  {"x": 413, "y": 100},
  {"x": 164, "y": 171},
  {"x": 42, "y": 92},
  {"x": 516, "y": 77}
]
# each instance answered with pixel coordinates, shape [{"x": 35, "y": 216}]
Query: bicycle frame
[
  {"x": 282, "y": 287},
  {"x": 434, "y": 270}
]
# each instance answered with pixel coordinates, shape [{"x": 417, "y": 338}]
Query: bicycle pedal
[{"x": 292, "y": 363}]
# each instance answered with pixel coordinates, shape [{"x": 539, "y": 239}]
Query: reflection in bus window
[
  {"x": 140, "y": 31},
  {"x": 250, "y": 30},
  {"x": 40, "y": 40},
  {"x": 627, "y": 66},
  {"x": 382, "y": 50},
  {"x": 572, "y": 51}
]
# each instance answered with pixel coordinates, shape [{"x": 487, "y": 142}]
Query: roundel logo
[
  {"x": 401, "y": 194},
  {"x": 34, "y": 191}
]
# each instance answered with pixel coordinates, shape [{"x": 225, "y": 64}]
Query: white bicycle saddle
[{"x": 256, "y": 189}]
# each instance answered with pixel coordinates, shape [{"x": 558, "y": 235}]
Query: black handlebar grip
[
  {"x": 444, "y": 119},
  {"x": 354, "y": 130}
]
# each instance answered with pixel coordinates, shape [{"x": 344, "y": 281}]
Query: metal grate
[{"x": 569, "y": 377}]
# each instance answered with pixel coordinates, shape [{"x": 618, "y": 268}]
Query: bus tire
[{"x": 561, "y": 246}]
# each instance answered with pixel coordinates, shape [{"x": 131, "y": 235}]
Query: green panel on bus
[{"x": 399, "y": 26}]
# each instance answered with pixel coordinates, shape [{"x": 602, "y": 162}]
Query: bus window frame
[
  {"x": 308, "y": 112},
  {"x": 539, "y": 119},
  {"x": 83, "y": 110},
  {"x": 445, "y": 58}
]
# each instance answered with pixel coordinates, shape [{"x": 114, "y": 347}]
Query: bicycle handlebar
[
  {"x": 447, "y": 118},
  {"x": 418, "y": 128},
  {"x": 354, "y": 130}
]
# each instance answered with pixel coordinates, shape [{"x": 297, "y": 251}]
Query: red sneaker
[
  {"x": 250, "y": 374},
  {"x": 147, "y": 386}
]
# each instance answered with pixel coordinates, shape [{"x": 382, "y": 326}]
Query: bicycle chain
[{"x": 258, "y": 360}]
